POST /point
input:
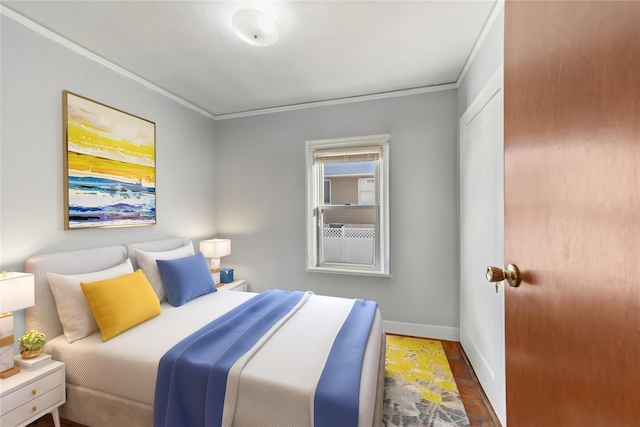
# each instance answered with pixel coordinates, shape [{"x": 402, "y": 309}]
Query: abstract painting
[{"x": 109, "y": 166}]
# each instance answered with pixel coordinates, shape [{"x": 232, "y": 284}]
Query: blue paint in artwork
[
  {"x": 97, "y": 185},
  {"x": 97, "y": 201}
]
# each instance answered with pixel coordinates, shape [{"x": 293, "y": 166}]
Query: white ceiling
[{"x": 327, "y": 50}]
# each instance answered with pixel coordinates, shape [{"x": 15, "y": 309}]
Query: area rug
[{"x": 419, "y": 388}]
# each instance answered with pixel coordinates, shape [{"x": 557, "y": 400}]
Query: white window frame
[{"x": 315, "y": 180}]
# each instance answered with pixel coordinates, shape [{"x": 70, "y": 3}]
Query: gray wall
[
  {"x": 250, "y": 183},
  {"x": 260, "y": 185},
  {"x": 34, "y": 71}
]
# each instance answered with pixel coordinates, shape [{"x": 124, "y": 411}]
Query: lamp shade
[
  {"x": 215, "y": 248},
  {"x": 16, "y": 292}
]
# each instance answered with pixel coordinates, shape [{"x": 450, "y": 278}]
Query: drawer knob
[
  {"x": 33, "y": 408},
  {"x": 33, "y": 392}
]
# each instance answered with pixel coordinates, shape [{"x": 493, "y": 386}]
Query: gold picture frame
[{"x": 109, "y": 166}]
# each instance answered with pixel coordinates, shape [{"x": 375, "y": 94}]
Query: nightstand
[
  {"x": 236, "y": 285},
  {"x": 29, "y": 395}
]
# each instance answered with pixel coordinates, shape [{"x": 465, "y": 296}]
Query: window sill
[{"x": 347, "y": 271}]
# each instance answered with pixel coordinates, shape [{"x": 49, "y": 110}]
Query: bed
[{"x": 114, "y": 382}]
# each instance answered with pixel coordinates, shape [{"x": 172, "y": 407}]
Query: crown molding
[
  {"x": 339, "y": 101},
  {"x": 487, "y": 27}
]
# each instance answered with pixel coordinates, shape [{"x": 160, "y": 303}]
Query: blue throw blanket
[
  {"x": 192, "y": 376},
  {"x": 338, "y": 392}
]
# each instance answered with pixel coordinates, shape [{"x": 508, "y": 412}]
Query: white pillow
[
  {"x": 73, "y": 309},
  {"x": 147, "y": 262}
]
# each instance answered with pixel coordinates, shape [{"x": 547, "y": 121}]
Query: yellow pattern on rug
[
  {"x": 420, "y": 389},
  {"x": 419, "y": 359}
]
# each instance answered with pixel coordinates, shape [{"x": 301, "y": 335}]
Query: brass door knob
[{"x": 511, "y": 275}]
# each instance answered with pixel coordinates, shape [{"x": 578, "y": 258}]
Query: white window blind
[{"x": 348, "y": 154}]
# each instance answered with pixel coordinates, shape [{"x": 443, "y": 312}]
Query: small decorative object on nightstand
[
  {"x": 31, "y": 344},
  {"x": 29, "y": 395},
  {"x": 34, "y": 363},
  {"x": 236, "y": 285},
  {"x": 226, "y": 275}
]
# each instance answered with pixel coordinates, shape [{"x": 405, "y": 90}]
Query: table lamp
[
  {"x": 16, "y": 293},
  {"x": 215, "y": 249}
]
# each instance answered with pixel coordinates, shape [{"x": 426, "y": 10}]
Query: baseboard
[{"x": 426, "y": 331}]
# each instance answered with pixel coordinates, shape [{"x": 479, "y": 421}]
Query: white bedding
[
  {"x": 127, "y": 365},
  {"x": 113, "y": 383},
  {"x": 289, "y": 366}
]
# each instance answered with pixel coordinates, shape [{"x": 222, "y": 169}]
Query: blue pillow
[{"x": 185, "y": 278}]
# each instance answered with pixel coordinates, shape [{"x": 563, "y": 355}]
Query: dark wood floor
[{"x": 475, "y": 402}]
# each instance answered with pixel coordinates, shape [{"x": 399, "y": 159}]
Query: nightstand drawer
[
  {"x": 36, "y": 406},
  {"x": 31, "y": 391}
]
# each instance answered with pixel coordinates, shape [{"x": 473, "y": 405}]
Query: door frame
[{"x": 497, "y": 389}]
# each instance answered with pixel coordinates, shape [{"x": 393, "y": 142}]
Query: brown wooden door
[{"x": 572, "y": 213}]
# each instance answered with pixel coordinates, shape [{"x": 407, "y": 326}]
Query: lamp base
[
  {"x": 9, "y": 372},
  {"x": 215, "y": 270},
  {"x": 216, "y": 278},
  {"x": 215, "y": 265},
  {"x": 6, "y": 346}
]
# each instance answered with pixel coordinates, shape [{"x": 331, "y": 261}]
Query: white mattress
[{"x": 126, "y": 366}]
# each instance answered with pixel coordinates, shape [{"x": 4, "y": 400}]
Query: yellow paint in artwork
[
  {"x": 419, "y": 361},
  {"x": 88, "y": 139},
  {"x": 85, "y": 165}
]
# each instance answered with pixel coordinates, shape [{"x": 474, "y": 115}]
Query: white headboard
[{"x": 44, "y": 315}]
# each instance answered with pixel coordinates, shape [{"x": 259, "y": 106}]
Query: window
[
  {"x": 327, "y": 192},
  {"x": 366, "y": 191},
  {"x": 348, "y": 205}
]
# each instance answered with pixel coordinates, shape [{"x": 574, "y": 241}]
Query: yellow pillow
[{"x": 121, "y": 303}]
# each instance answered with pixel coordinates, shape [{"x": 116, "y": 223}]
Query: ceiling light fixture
[{"x": 255, "y": 27}]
